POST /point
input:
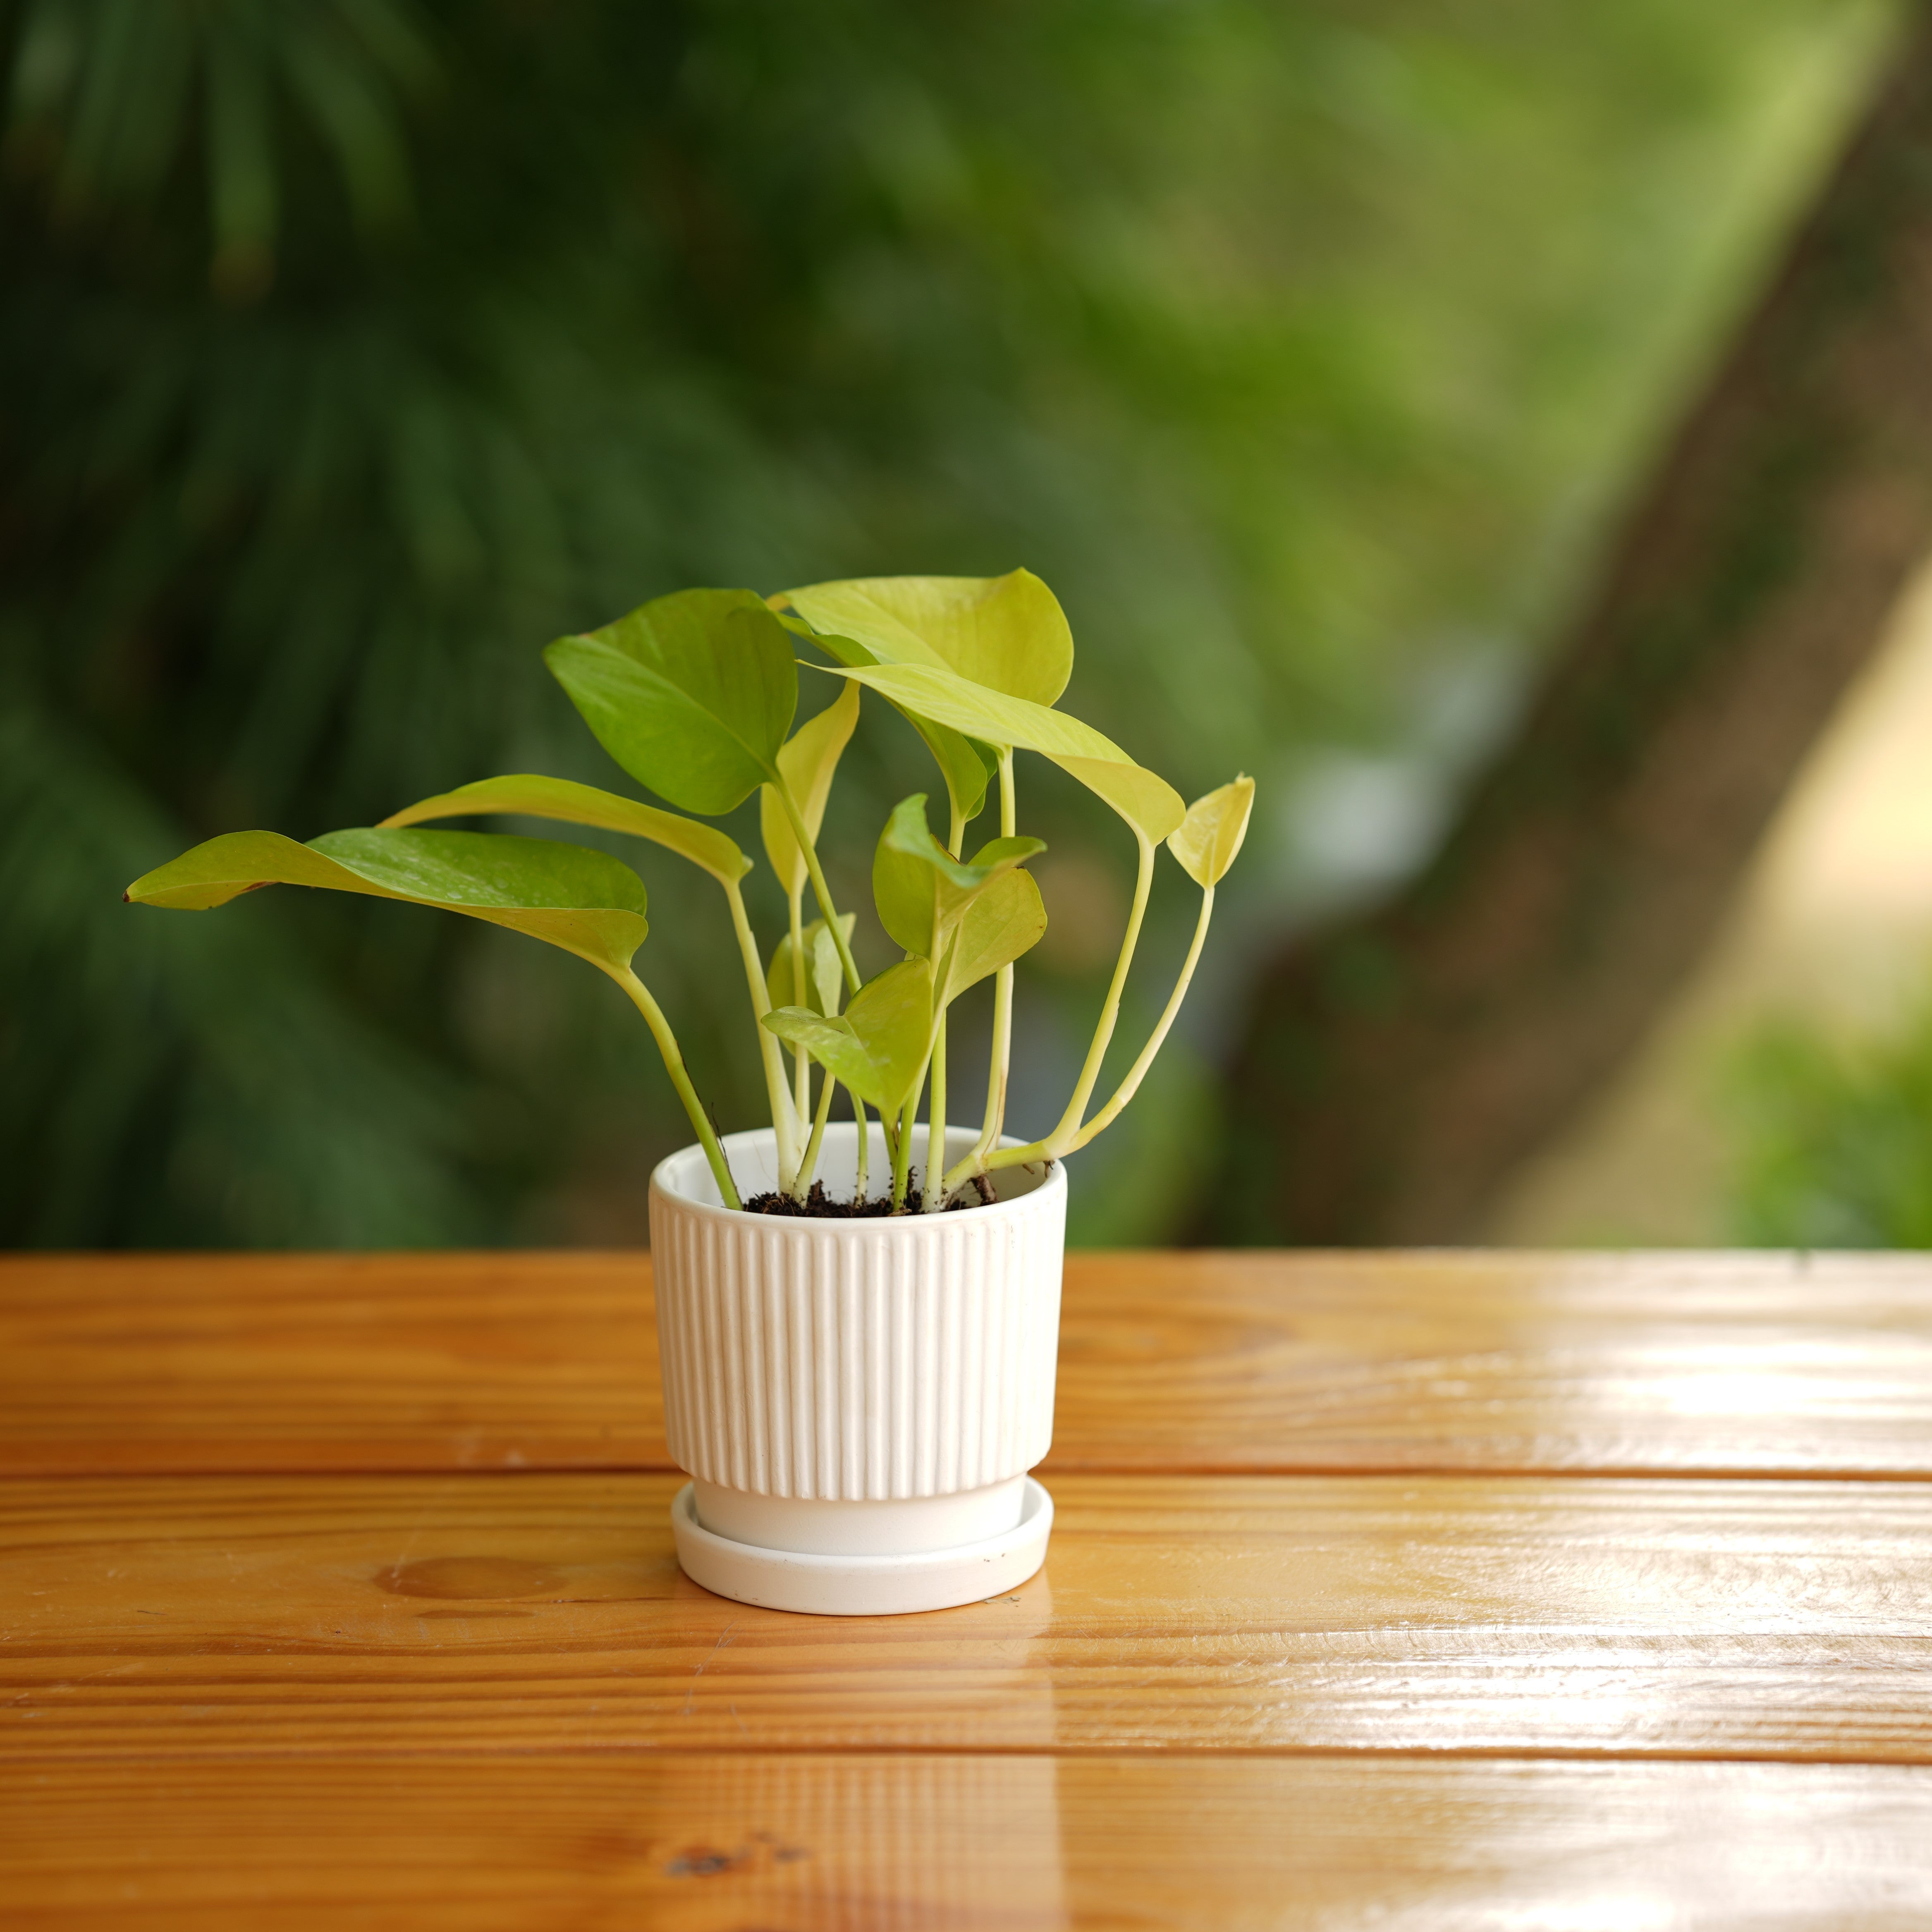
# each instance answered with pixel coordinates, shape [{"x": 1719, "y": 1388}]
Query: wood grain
[
  {"x": 307, "y": 1615},
  {"x": 413, "y": 1361},
  {"x": 707, "y": 1843},
  {"x": 1716, "y": 1364}
]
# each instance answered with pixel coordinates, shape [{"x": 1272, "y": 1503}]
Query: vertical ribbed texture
[{"x": 858, "y": 1360}]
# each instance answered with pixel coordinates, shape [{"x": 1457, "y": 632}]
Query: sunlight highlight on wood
[
  {"x": 718, "y": 1843},
  {"x": 303, "y": 1614}
]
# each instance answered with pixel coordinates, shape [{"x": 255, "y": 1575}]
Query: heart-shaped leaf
[
  {"x": 1210, "y": 838},
  {"x": 818, "y": 944},
  {"x": 531, "y": 796},
  {"x": 1147, "y": 802},
  {"x": 809, "y": 758},
  {"x": 921, "y": 892},
  {"x": 1003, "y": 921},
  {"x": 878, "y": 1048},
  {"x": 692, "y": 694},
  {"x": 1008, "y": 633},
  {"x": 585, "y": 901}
]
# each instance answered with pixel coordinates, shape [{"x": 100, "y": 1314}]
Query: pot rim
[{"x": 983, "y": 1215}]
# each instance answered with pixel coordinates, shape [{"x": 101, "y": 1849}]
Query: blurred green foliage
[
  {"x": 353, "y": 348},
  {"x": 1833, "y": 1137}
]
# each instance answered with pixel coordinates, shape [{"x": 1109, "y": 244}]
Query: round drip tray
[{"x": 862, "y": 1586}]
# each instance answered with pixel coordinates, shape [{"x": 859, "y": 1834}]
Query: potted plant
[{"x": 858, "y": 1334}]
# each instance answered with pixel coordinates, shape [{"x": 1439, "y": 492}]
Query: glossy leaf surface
[
  {"x": 692, "y": 694},
  {"x": 809, "y": 759},
  {"x": 1209, "y": 839},
  {"x": 1008, "y": 633},
  {"x": 531, "y": 796},
  {"x": 878, "y": 1048},
  {"x": 585, "y": 901}
]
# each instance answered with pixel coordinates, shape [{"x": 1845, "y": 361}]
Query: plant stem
[
  {"x": 1065, "y": 1137},
  {"x": 674, "y": 1061},
  {"x": 801, "y": 1059},
  {"x": 935, "y": 1124},
  {"x": 785, "y": 1121},
  {"x": 1003, "y": 1007},
  {"x": 789, "y": 806},
  {"x": 901, "y": 1142},
  {"x": 863, "y": 1159},
  {"x": 1137, "y": 1071},
  {"x": 808, "y": 1166}
]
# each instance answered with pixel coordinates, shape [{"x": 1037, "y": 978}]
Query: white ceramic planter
[{"x": 857, "y": 1402}]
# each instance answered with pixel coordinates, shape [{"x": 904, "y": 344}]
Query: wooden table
[{"x": 1420, "y": 1591}]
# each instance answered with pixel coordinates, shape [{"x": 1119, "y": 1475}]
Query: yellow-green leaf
[
  {"x": 779, "y": 982},
  {"x": 530, "y": 796},
  {"x": 809, "y": 759},
  {"x": 584, "y": 901},
  {"x": 921, "y": 891},
  {"x": 1210, "y": 837},
  {"x": 691, "y": 693},
  {"x": 1005, "y": 920},
  {"x": 1008, "y": 633},
  {"x": 1146, "y": 802},
  {"x": 878, "y": 1048}
]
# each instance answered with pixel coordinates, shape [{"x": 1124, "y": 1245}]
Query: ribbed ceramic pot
[{"x": 857, "y": 1402}]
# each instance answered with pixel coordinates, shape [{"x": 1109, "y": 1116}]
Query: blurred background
[{"x": 1316, "y": 354}]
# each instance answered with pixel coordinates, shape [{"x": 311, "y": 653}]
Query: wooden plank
[
  {"x": 1744, "y": 1364},
  {"x": 327, "y": 1361},
  {"x": 708, "y": 1843},
  {"x": 408, "y": 1614},
  {"x": 1681, "y": 1364}
]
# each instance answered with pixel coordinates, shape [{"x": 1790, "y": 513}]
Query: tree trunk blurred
[{"x": 1397, "y": 1069}]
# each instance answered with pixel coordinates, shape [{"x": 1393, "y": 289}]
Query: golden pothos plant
[{"x": 695, "y": 696}]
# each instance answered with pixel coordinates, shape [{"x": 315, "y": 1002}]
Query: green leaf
[
  {"x": 967, "y": 766},
  {"x": 585, "y": 901},
  {"x": 1005, "y": 920},
  {"x": 1210, "y": 837},
  {"x": 825, "y": 970},
  {"x": 692, "y": 694},
  {"x": 809, "y": 759},
  {"x": 1008, "y": 633},
  {"x": 531, "y": 796},
  {"x": 964, "y": 763},
  {"x": 1148, "y": 803},
  {"x": 817, "y": 936},
  {"x": 921, "y": 892},
  {"x": 878, "y": 1049}
]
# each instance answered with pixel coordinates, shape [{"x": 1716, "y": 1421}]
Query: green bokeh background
[{"x": 352, "y": 349}]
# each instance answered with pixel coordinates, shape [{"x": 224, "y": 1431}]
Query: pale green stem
[
  {"x": 785, "y": 1121},
  {"x": 1137, "y": 1072},
  {"x": 901, "y": 1140},
  {"x": 935, "y": 1124},
  {"x": 809, "y": 1165},
  {"x": 864, "y": 1156},
  {"x": 673, "y": 1062},
  {"x": 795, "y": 819},
  {"x": 1063, "y": 1139},
  {"x": 801, "y": 1059},
  {"x": 1001, "y": 1055}
]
